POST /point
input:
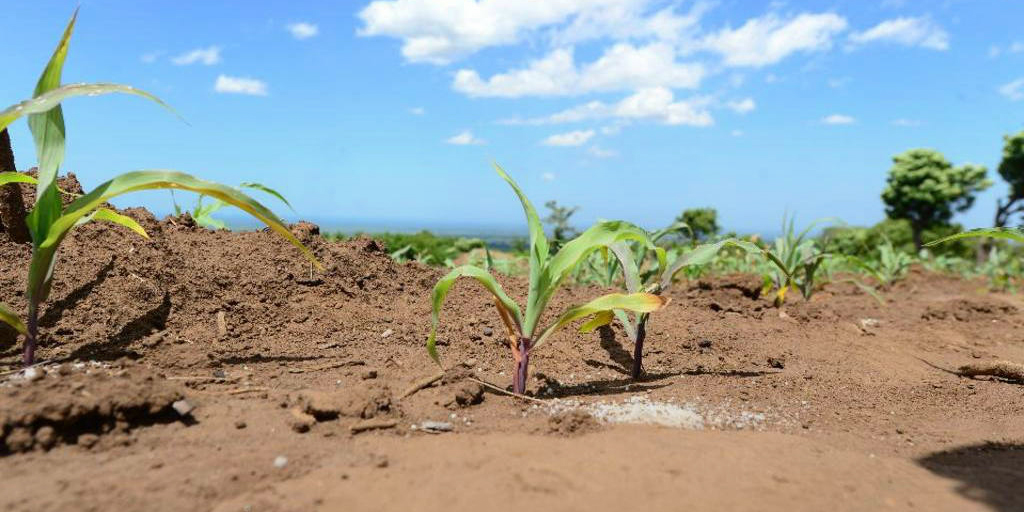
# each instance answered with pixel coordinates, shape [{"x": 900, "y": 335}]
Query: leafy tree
[
  {"x": 1011, "y": 168},
  {"x": 924, "y": 188},
  {"x": 702, "y": 221},
  {"x": 12, "y": 209},
  {"x": 558, "y": 218}
]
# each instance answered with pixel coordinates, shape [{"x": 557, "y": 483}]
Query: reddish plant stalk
[
  {"x": 522, "y": 358},
  {"x": 29, "y": 356},
  {"x": 638, "y": 346}
]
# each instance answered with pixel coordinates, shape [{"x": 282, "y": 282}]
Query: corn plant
[
  {"x": 891, "y": 265},
  {"x": 655, "y": 282},
  {"x": 796, "y": 260},
  {"x": 202, "y": 212},
  {"x": 49, "y": 222},
  {"x": 547, "y": 272}
]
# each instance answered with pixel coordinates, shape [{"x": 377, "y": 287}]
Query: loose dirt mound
[
  {"x": 301, "y": 385},
  {"x": 76, "y": 403}
]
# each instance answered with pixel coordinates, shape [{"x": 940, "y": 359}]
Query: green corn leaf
[
  {"x": 570, "y": 255},
  {"x": 705, "y": 253},
  {"x": 599, "y": 320},
  {"x": 1015, "y": 234},
  {"x": 108, "y": 215},
  {"x": 163, "y": 179},
  {"x": 47, "y": 101},
  {"x": 48, "y": 127},
  {"x": 16, "y": 177},
  {"x": 630, "y": 271},
  {"x": 508, "y": 309},
  {"x": 672, "y": 228},
  {"x": 638, "y": 302},
  {"x": 538, "y": 241},
  {"x": 263, "y": 188},
  {"x": 627, "y": 324},
  {"x": 10, "y": 318}
]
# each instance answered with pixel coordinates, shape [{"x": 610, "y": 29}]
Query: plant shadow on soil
[
  {"x": 990, "y": 473},
  {"x": 116, "y": 347}
]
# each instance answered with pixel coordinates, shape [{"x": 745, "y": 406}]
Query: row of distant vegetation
[{"x": 923, "y": 192}]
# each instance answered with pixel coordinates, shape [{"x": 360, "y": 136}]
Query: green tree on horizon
[{"x": 926, "y": 189}]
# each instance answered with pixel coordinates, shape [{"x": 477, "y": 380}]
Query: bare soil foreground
[{"x": 214, "y": 371}]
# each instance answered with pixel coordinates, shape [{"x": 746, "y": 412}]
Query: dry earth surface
[{"x": 207, "y": 370}]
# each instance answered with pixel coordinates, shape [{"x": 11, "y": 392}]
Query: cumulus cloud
[
  {"x": 920, "y": 32},
  {"x": 302, "y": 30},
  {"x": 769, "y": 39},
  {"x": 652, "y": 104},
  {"x": 1013, "y": 90},
  {"x": 838, "y": 119},
  {"x": 621, "y": 67},
  {"x": 742, "y": 106},
  {"x": 205, "y": 56},
  {"x": 465, "y": 138},
  {"x": 239, "y": 85},
  {"x": 573, "y": 138}
]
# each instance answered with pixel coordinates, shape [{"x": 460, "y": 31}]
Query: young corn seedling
[
  {"x": 796, "y": 260},
  {"x": 49, "y": 222},
  {"x": 203, "y": 212},
  {"x": 891, "y": 265},
  {"x": 547, "y": 271},
  {"x": 657, "y": 281}
]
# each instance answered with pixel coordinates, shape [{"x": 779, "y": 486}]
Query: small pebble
[
  {"x": 386, "y": 333},
  {"x": 240, "y": 424},
  {"x": 33, "y": 374},
  {"x": 369, "y": 374},
  {"x": 280, "y": 462},
  {"x": 183, "y": 407},
  {"x": 436, "y": 426},
  {"x": 704, "y": 343},
  {"x": 488, "y": 331}
]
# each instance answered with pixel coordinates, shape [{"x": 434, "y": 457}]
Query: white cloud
[
  {"x": 736, "y": 133},
  {"x": 548, "y": 176},
  {"x": 920, "y": 32},
  {"x": 1013, "y": 90},
  {"x": 573, "y": 138},
  {"x": 1016, "y": 47},
  {"x": 443, "y": 31},
  {"x": 836, "y": 83},
  {"x": 465, "y": 138},
  {"x": 838, "y": 119},
  {"x": 302, "y": 30},
  {"x": 205, "y": 56},
  {"x": 906, "y": 122},
  {"x": 742, "y": 106},
  {"x": 417, "y": 111},
  {"x": 651, "y": 104},
  {"x": 769, "y": 39},
  {"x": 621, "y": 67},
  {"x": 994, "y": 51},
  {"x": 599, "y": 152},
  {"x": 240, "y": 85}
]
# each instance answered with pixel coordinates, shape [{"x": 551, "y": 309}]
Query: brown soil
[{"x": 291, "y": 382}]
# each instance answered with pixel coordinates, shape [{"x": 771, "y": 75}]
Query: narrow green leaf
[
  {"x": 48, "y": 127},
  {"x": 704, "y": 254},
  {"x": 538, "y": 240},
  {"x": 16, "y": 177},
  {"x": 10, "y": 318},
  {"x": 638, "y": 302},
  {"x": 599, "y": 320},
  {"x": 599, "y": 235},
  {"x": 161, "y": 179},
  {"x": 505, "y": 305},
  {"x": 47, "y": 101},
  {"x": 263, "y": 188},
  {"x": 630, "y": 271},
  {"x": 1015, "y": 234},
  {"x": 108, "y": 215}
]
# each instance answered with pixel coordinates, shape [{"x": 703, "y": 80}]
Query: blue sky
[{"x": 390, "y": 111}]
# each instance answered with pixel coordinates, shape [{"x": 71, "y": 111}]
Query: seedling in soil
[
  {"x": 203, "y": 212},
  {"x": 658, "y": 281},
  {"x": 547, "y": 272},
  {"x": 49, "y": 222},
  {"x": 796, "y": 259}
]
